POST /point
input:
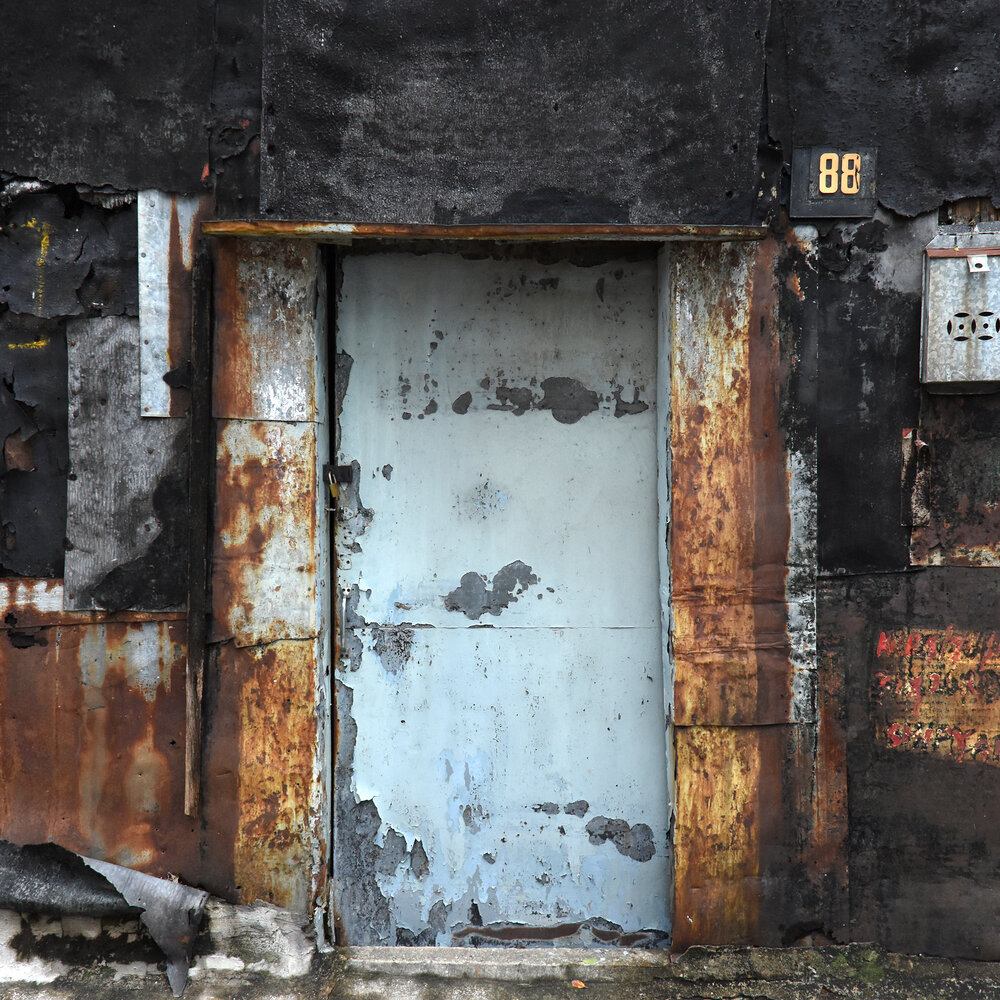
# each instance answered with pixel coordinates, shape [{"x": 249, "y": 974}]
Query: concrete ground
[{"x": 856, "y": 971}]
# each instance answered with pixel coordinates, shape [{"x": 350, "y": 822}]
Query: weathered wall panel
[
  {"x": 904, "y": 77},
  {"x": 127, "y": 493},
  {"x": 731, "y": 525},
  {"x": 511, "y": 113},
  {"x": 264, "y": 563},
  {"x": 868, "y": 317},
  {"x": 760, "y": 850},
  {"x": 275, "y": 840},
  {"x": 267, "y": 704},
  {"x": 92, "y": 743},
  {"x": 34, "y": 443},
  {"x": 761, "y": 832},
  {"x": 718, "y": 834},
  {"x": 269, "y": 362},
  {"x": 962, "y": 482},
  {"x": 132, "y": 96},
  {"x": 918, "y": 654}
]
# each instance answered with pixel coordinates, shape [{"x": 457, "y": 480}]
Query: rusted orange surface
[
  {"x": 273, "y": 689},
  {"x": 731, "y": 523},
  {"x": 264, "y": 585},
  {"x": 267, "y": 365},
  {"x": 92, "y": 743},
  {"x": 761, "y": 790},
  {"x": 717, "y": 869},
  {"x": 268, "y": 578},
  {"x": 92, "y": 756}
]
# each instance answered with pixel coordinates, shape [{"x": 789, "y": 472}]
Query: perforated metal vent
[{"x": 960, "y": 339}]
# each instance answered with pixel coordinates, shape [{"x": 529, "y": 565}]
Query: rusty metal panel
[
  {"x": 959, "y": 483},
  {"x": 126, "y": 496},
  {"x": 501, "y": 763},
  {"x": 731, "y": 537},
  {"x": 761, "y": 831},
  {"x": 274, "y": 700},
  {"x": 347, "y": 232},
  {"x": 717, "y": 836},
  {"x": 264, "y": 565},
  {"x": 168, "y": 226},
  {"x": 269, "y": 354},
  {"x": 92, "y": 743},
  {"x": 270, "y": 576}
]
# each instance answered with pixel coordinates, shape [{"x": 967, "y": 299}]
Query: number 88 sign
[
  {"x": 833, "y": 183},
  {"x": 839, "y": 173}
]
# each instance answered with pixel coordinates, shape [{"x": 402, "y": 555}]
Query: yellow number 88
[{"x": 843, "y": 173}]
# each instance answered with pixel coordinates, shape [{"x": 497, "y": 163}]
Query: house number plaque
[{"x": 830, "y": 182}]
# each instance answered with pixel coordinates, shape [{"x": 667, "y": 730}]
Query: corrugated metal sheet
[
  {"x": 127, "y": 492},
  {"x": 168, "y": 226}
]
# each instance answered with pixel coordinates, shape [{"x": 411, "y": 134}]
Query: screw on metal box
[{"x": 960, "y": 329}]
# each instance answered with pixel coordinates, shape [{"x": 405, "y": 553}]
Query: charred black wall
[
  {"x": 131, "y": 96},
  {"x": 513, "y": 112},
  {"x": 605, "y": 112}
]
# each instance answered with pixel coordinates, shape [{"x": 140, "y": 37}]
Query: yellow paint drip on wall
[
  {"x": 31, "y": 345},
  {"x": 43, "y": 253}
]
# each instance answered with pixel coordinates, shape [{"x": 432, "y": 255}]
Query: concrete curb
[{"x": 855, "y": 972}]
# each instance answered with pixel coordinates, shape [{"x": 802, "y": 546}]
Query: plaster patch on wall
[
  {"x": 473, "y": 599},
  {"x": 393, "y": 644},
  {"x": 635, "y": 842}
]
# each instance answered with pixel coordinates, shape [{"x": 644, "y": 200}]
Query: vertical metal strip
[{"x": 198, "y": 526}]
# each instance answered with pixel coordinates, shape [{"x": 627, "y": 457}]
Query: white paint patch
[
  {"x": 800, "y": 583},
  {"x": 155, "y": 212},
  {"x": 13, "y": 969}
]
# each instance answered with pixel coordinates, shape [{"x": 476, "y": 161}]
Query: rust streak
[
  {"x": 717, "y": 892},
  {"x": 498, "y": 231}
]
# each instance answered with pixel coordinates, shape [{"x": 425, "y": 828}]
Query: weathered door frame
[{"x": 723, "y": 363}]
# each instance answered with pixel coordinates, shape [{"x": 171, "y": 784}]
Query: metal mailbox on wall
[{"x": 960, "y": 335}]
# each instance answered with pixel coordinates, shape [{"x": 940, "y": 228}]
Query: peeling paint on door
[{"x": 502, "y": 769}]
